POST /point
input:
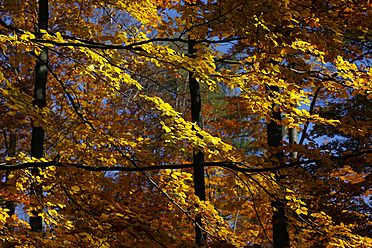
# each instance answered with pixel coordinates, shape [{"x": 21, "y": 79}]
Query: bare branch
[
  {"x": 228, "y": 165},
  {"x": 303, "y": 135}
]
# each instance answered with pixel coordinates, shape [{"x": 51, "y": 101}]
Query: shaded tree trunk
[
  {"x": 37, "y": 140},
  {"x": 11, "y": 153},
  {"x": 198, "y": 156},
  {"x": 279, "y": 219}
]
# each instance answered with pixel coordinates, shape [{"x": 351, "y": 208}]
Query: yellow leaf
[{"x": 75, "y": 188}]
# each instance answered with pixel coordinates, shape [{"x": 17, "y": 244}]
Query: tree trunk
[
  {"x": 198, "y": 156},
  {"x": 11, "y": 153},
  {"x": 279, "y": 220},
  {"x": 293, "y": 139},
  {"x": 37, "y": 140}
]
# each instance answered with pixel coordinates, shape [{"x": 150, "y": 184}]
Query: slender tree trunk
[
  {"x": 279, "y": 219},
  {"x": 37, "y": 140},
  {"x": 293, "y": 139},
  {"x": 198, "y": 157},
  {"x": 11, "y": 153}
]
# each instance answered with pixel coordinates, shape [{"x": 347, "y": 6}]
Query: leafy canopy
[{"x": 119, "y": 140}]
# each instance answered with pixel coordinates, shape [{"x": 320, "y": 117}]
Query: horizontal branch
[
  {"x": 230, "y": 165},
  {"x": 93, "y": 44}
]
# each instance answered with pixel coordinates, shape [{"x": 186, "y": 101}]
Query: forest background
[{"x": 125, "y": 124}]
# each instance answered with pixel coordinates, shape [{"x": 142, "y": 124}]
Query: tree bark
[
  {"x": 279, "y": 219},
  {"x": 11, "y": 153},
  {"x": 293, "y": 139},
  {"x": 198, "y": 156},
  {"x": 37, "y": 140}
]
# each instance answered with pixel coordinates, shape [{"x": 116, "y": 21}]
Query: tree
[
  {"x": 37, "y": 139},
  {"x": 116, "y": 168}
]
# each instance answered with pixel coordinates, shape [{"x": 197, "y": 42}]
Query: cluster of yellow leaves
[
  {"x": 295, "y": 203},
  {"x": 178, "y": 129},
  {"x": 17, "y": 100},
  {"x": 340, "y": 235}
]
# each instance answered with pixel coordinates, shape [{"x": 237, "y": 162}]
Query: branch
[
  {"x": 92, "y": 44},
  {"x": 230, "y": 165},
  {"x": 311, "y": 112}
]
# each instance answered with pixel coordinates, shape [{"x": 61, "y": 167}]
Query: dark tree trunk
[
  {"x": 280, "y": 232},
  {"x": 11, "y": 153},
  {"x": 37, "y": 140},
  {"x": 198, "y": 157},
  {"x": 279, "y": 219}
]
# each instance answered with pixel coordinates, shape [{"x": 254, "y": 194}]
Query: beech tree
[{"x": 114, "y": 154}]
